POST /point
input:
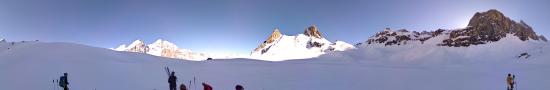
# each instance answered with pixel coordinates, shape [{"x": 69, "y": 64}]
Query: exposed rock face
[
  {"x": 484, "y": 27},
  {"x": 138, "y": 46},
  {"x": 275, "y": 35},
  {"x": 489, "y": 26},
  {"x": 312, "y": 31},
  {"x": 400, "y": 37}
]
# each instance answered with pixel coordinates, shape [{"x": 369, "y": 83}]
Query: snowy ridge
[
  {"x": 162, "y": 48},
  {"x": 279, "y": 47}
]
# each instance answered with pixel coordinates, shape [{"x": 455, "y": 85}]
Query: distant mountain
[
  {"x": 162, "y": 48},
  {"x": 484, "y": 27},
  {"x": 310, "y": 44}
]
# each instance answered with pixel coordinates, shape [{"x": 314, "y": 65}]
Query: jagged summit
[
  {"x": 275, "y": 35},
  {"x": 484, "y": 27},
  {"x": 162, "y": 48},
  {"x": 137, "y": 46},
  {"x": 279, "y": 47},
  {"x": 490, "y": 26},
  {"x": 495, "y": 21},
  {"x": 313, "y": 31}
]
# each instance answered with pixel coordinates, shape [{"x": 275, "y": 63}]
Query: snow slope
[
  {"x": 280, "y": 47},
  {"x": 33, "y": 66}
]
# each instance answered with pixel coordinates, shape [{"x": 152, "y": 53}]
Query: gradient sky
[{"x": 239, "y": 26}]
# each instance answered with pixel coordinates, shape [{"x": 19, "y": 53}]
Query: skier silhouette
[
  {"x": 510, "y": 81},
  {"x": 63, "y": 82},
  {"x": 172, "y": 81}
]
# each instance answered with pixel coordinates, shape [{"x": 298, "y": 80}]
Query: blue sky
[{"x": 238, "y": 26}]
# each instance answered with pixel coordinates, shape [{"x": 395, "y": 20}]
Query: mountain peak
[
  {"x": 158, "y": 41},
  {"x": 490, "y": 26},
  {"x": 162, "y": 48},
  {"x": 312, "y": 31},
  {"x": 310, "y": 44},
  {"x": 484, "y": 27},
  {"x": 276, "y": 34}
]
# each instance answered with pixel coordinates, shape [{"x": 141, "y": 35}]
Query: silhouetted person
[
  {"x": 63, "y": 82},
  {"x": 239, "y": 87},
  {"x": 182, "y": 87},
  {"x": 206, "y": 86},
  {"x": 172, "y": 81},
  {"x": 510, "y": 81}
]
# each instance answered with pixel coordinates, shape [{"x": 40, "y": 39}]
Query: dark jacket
[
  {"x": 206, "y": 86},
  {"x": 63, "y": 82},
  {"x": 172, "y": 80}
]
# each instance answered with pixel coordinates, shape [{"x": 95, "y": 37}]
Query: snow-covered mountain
[
  {"x": 310, "y": 44},
  {"x": 484, "y": 27},
  {"x": 490, "y": 36},
  {"x": 162, "y": 48}
]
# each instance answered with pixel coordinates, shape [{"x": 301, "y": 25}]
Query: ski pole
[
  {"x": 195, "y": 83},
  {"x": 57, "y": 81}
]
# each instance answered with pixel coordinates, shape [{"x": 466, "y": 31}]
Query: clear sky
[{"x": 239, "y": 26}]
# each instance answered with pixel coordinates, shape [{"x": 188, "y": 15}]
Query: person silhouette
[
  {"x": 172, "y": 81},
  {"x": 63, "y": 81}
]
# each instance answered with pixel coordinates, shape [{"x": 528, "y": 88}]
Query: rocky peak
[
  {"x": 489, "y": 26},
  {"x": 313, "y": 32},
  {"x": 138, "y": 46},
  {"x": 496, "y": 25},
  {"x": 275, "y": 35}
]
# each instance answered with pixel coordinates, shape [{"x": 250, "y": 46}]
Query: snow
[
  {"x": 33, "y": 66},
  {"x": 120, "y": 48},
  {"x": 162, "y": 48},
  {"x": 297, "y": 47}
]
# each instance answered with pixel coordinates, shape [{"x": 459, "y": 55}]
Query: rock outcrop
[
  {"x": 484, "y": 27},
  {"x": 313, "y": 32},
  {"x": 138, "y": 46},
  {"x": 489, "y": 26},
  {"x": 275, "y": 35},
  {"x": 400, "y": 37}
]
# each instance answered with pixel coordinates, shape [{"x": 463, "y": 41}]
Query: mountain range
[
  {"x": 484, "y": 27},
  {"x": 476, "y": 57},
  {"x": 162, "y": 48}
]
